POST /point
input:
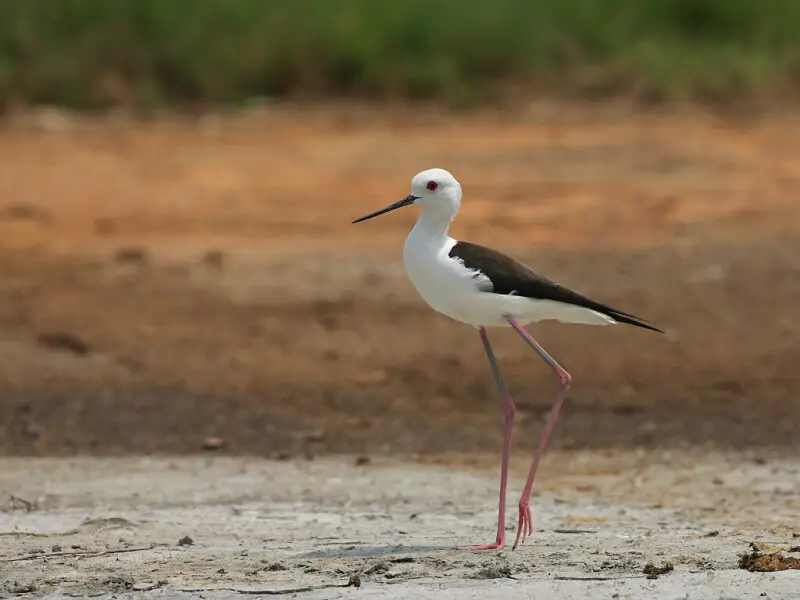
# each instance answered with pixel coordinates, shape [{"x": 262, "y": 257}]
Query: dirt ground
[
  {"x": 195, "y": 285},
  {"x": 162, "y": 283}
]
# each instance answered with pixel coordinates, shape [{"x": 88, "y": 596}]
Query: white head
[{"x": 435, "y": 190}]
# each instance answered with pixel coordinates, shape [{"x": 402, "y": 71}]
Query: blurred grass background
[{"x": 147, "y": 54}]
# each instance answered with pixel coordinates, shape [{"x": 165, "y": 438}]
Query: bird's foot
[
  {"x": 496, "y": 545},
  {"x": 525, "y": 524}
]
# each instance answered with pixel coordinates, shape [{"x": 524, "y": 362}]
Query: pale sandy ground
[{"x": 305, "y": 527}]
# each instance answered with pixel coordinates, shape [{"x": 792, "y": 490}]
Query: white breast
[{"x": 444, "y": 283}]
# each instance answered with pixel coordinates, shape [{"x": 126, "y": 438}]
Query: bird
[{"x": 484, "y": 288}]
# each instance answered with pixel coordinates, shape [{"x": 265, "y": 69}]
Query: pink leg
[
  {"x": 525, "y": 526},
  {"x": 508, "y": 407}
]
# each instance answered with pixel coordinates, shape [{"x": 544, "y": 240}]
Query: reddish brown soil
[{"x": 213, "y": 277}]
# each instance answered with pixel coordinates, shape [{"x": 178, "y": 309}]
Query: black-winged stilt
[{"x": 482, "y": 287}]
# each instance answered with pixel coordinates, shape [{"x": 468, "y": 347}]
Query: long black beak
[{"x": 399, "y": 204}]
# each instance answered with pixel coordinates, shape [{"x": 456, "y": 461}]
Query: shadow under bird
[{"x": 483, "y": 287}]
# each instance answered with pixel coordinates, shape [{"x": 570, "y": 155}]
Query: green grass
[{"x": 148, "y": 53}]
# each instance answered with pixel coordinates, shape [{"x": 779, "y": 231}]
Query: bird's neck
[{"x": 433, "y": 223}]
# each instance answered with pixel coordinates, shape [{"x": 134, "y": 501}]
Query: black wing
[{"x": 509, "y": 276}]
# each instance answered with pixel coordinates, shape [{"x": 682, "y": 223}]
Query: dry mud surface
[{"x": 224, "y": 527}]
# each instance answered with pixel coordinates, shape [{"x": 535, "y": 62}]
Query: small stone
[
  {"x": 654, "y": 572},
  {"x": 185, "y": 541},
  {"x": 213, "y": 443},
  {"x": 764, "y": 563}
]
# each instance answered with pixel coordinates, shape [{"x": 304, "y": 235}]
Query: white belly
[{"x": 453, "y": 290}]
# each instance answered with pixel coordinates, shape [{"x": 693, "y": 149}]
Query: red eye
[{"x": 432, "y": 185}]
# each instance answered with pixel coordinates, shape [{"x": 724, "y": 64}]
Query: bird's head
[{"x": 436, "y": 190}]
